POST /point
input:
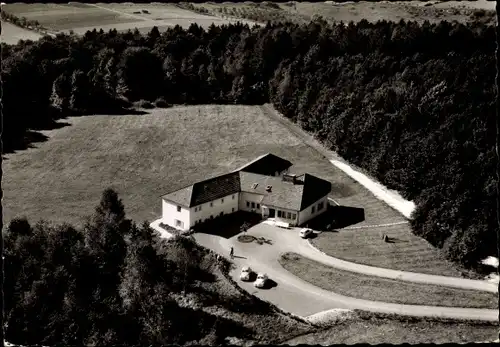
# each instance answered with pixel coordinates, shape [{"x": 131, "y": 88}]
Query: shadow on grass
[
  {"x": 394, "y": 240},
  {"x": 229, "y": 225},
  {"x": 25, "y": 142},
  {"x": 337, "y": 217}
]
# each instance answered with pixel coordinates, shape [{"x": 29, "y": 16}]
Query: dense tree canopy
[{"x": 412, "y": 104}]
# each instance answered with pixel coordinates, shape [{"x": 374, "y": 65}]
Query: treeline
[
  {"x": 412, "y": 104},
  {"x": 111, "y": 283},
  {"x": 22, "y": 22}
]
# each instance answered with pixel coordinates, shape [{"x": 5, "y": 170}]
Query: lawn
[
  {"x": 11, "y": 34},
  {"x": 145, "y": 156},
  {"x": 382, "y": 289},
  {"x": 376, "y": 329},
  {"x": 405, "y": 252}
]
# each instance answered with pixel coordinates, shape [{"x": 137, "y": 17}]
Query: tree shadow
[
  {"x": 27, "y": 141},
  {"x": 337, "y": 217}
]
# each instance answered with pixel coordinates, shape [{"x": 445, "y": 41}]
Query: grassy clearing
[
  {"x": 11, "y": 34},
  {"x": 372, "y": 328},
  {"x": 381, "y": 289},
  {"x": 144, "y": 156},
  {"x": 406, "y": 252}
]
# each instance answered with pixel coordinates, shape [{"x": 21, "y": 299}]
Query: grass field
[
  {"x": 406, "y": 252},
  {"x": 302, "y": 12},
  {"x": 145, "y": 156},
  {"x": 11, "y": 34},
  {"x": 381, "y": 289},
  {"x": 80, "y": 17},
  {"x": 376, "y": 329}
]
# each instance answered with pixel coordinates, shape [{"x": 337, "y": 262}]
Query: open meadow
[
  {"x": 11, "y": 34},
  {"x": 143, "y": 157},
  {"x": 81, "y": 17},
  {"x": 303, "y": 12}
]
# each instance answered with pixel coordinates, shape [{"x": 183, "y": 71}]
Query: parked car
[
  {"x": 261, "y": 280},
  {"x": 305, "y": 232},
  {"x": 245, "y": 273}
]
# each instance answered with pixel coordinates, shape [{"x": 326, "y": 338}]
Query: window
[
  {"x": 294, "y": 216},
  {"x": 232, "y": 210},
  {"x": 320, "y": 206},
  {"x": 253, "y": 204},
  {"x": 289, "y": 215},
  {"x": 178, "y": 209},
  {"x": 258, "y": 206},
  {"x": 233, "y": 196},
  {"x": 222, "y": 201},
  {"x": 279, "y": 213},
  {"x": 211, "y": 204},
  {"x": 199, "y": 208},
  {"x": 312, "y": 210},
  {"x": 178, "y": 223},
  {"x": 248, "y": 203}
]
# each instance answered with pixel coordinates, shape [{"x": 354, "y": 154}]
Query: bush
[
  {"x": 143, "y": 104},
  {"x": 162, "y": 103}
]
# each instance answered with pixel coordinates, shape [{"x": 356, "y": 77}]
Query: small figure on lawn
[
  {"x": 386, "y": 238},
  {"x": 231, "y": 254}
]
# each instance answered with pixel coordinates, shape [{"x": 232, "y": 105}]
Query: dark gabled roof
[
  {"x": 307, "y": 189},
  {"x": 266, "y": 164},
  {"x": 215, "y": 188},
  {"x": 205, "y": 191},
  {"x": 314, "y": 189}
]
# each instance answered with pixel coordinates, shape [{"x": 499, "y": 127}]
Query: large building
[{"x": 262, "y": 186}]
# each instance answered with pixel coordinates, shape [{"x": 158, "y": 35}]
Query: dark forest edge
[{"x": 411, "y": 104}]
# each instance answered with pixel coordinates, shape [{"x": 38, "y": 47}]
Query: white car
[
  {"x": 261, "y": 280},
  {"x": 305, "y": 232},
  {"x": 245, "y": 273}
]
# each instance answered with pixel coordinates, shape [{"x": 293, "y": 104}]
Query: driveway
[{"x": 297, "y": 296}]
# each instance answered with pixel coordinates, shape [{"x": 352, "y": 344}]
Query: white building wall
[
  {"x": 229, "y": 205},
  {"x": 307, "y": 213},
  {"x": 250, "y": 197},
  {"x": 170, "y": 215}
]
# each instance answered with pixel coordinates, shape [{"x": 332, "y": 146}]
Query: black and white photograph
[{"x": 250, "y": 173}]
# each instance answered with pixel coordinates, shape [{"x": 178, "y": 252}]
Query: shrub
[
  {"x": 161, "y": 102},
  {"x": 143, "y": 104}
]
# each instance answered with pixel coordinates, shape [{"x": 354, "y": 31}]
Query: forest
[{"x": 411, "y": 104}]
